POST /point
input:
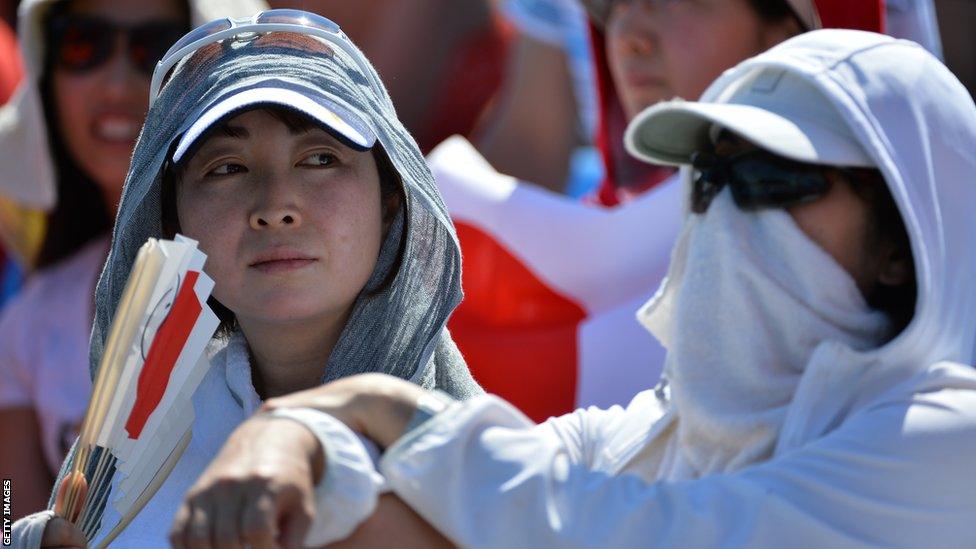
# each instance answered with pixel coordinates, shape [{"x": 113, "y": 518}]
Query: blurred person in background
[
  {"x": 65, "y": 142},
  {"x": 443, "y": 61}
]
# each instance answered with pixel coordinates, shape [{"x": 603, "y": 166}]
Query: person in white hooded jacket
[{"x": 794, "y": 412}]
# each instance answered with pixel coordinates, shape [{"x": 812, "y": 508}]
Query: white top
[
  {"x": 44, "y": 334},
  {"x": 224, "y": 399},
  {"x": 898, "y": 473}
]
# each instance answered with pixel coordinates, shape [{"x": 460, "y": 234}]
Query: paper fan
[{"x": 140, "y": 415}]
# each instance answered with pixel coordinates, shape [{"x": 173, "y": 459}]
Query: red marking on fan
[{"x": 163, "y": 354}]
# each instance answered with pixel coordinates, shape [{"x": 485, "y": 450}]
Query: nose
[
  {"x": 630, "y": 26},
  {"x": 122, "y": 77},
  {"x": 277, "y": 209},
  {"x": 275, "y": 218}
]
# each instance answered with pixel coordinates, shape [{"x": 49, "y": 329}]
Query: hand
[
  {"x": 59, "y": 532},
  {"x": 258, "y": 491},
  {"x": 377, "y": 405},
  {"x": 62, "y": 534}
]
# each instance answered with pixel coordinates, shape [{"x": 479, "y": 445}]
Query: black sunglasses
[
  {"x": 81, "y": 43},
  {"x": 757, "y": 179}
]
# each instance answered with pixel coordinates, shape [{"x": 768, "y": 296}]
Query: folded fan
[{"x": 139, "y": 418}]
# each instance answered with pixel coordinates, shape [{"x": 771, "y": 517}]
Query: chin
[{"x": 290, "y": 310}]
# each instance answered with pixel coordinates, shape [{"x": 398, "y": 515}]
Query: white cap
[
  {"x": 340, "y": 121},
  {"x": 774, "y": 109}
]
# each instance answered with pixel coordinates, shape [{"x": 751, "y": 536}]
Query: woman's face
[
  {"x": 100, "y": 110},
  {"x": 662, "y": 49},
  {"x": 290, "y": 220}
]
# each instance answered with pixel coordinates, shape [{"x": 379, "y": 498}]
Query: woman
[
  {"x": 819, "y": 322},
  {"x": 69, "y": 133},
  {"x": 330, "y": 248}
]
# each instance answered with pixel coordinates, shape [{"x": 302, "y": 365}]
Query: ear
[
  {"x": 774, "y": 32},
  {"x": 896, "y": 268}
]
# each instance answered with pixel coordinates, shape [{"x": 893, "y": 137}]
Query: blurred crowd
[{"x": 563, "y": 232}]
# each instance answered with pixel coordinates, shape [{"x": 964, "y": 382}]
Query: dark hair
[
  {"x": 885, "y": 226},
  {"x": 390, "y": 185},
  {"x": 773, "y": 10},
  {"x": 80, "y": 214}
]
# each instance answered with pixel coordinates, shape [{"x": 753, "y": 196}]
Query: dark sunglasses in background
[
  {"x": 81, "y": 43},
  {"x": 758, "y": 179}
]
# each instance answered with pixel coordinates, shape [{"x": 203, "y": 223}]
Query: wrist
[
  {"x": 388, "y": 412},
  {"x": 305, "y": 438}
]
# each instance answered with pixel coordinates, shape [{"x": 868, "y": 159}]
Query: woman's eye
[
  {"x": 318, "y": 159},
  {"x": 227, "y": 169}
]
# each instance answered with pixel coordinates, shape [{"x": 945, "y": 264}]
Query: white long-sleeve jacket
[{"x": 898, "y": 473}]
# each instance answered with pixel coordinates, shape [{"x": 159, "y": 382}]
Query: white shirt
[{"x": 224, "y": 399}]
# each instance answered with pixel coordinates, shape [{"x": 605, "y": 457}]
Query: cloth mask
[{"x": 747, "y": 300}]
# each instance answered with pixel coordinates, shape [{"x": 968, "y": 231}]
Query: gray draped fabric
[{"x": 398, "y": 330}]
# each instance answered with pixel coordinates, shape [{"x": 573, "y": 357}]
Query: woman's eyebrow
[{"x": 237, "y": 132}]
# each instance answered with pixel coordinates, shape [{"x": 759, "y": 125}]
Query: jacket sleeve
[
  {"x": 897, "y": 474},
  {"x": 348, "y": 492}
]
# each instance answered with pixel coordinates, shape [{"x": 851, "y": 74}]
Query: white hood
[
  {"x": 28, "y": 173},
  {"x": 918, "y": 124}
]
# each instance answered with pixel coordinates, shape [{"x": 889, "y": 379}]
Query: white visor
[{"x": 339, "y": 120}]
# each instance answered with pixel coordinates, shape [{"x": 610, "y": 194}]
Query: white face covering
[{"x": 747, "y": 300}]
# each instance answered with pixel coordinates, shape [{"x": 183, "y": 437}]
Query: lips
[
  {"x": 281, "y": 260},
  {"x": 121, "y": 129},
  {"x": 639, "y": 80}
]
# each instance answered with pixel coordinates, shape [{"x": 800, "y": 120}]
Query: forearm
[{"x": 394, "y": 523}]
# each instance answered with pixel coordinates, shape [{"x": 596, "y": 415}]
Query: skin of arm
[
  {"x": 23, "y": 461},
  {"x": 394, "y": 524},
  {"x": 532, "y": 131}
]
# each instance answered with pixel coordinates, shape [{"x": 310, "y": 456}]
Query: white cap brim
[
  {"x": 308, "y": 101},
  {"x": 775, "y": 111}
]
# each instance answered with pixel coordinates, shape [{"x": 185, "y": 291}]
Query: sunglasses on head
[
  {"x": 82, "y": 43},
  {"x": 267, "y": 24},
  {"x": 757, "y": 180}
]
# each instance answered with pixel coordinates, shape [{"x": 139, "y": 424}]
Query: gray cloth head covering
[{"x": 398, "y": 330}]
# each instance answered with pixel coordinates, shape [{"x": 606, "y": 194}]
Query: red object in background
[
  {"x": 11, "y": 67},
  {"x": 510, "y": 317},
  {"x": 847, "y": 14}
]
